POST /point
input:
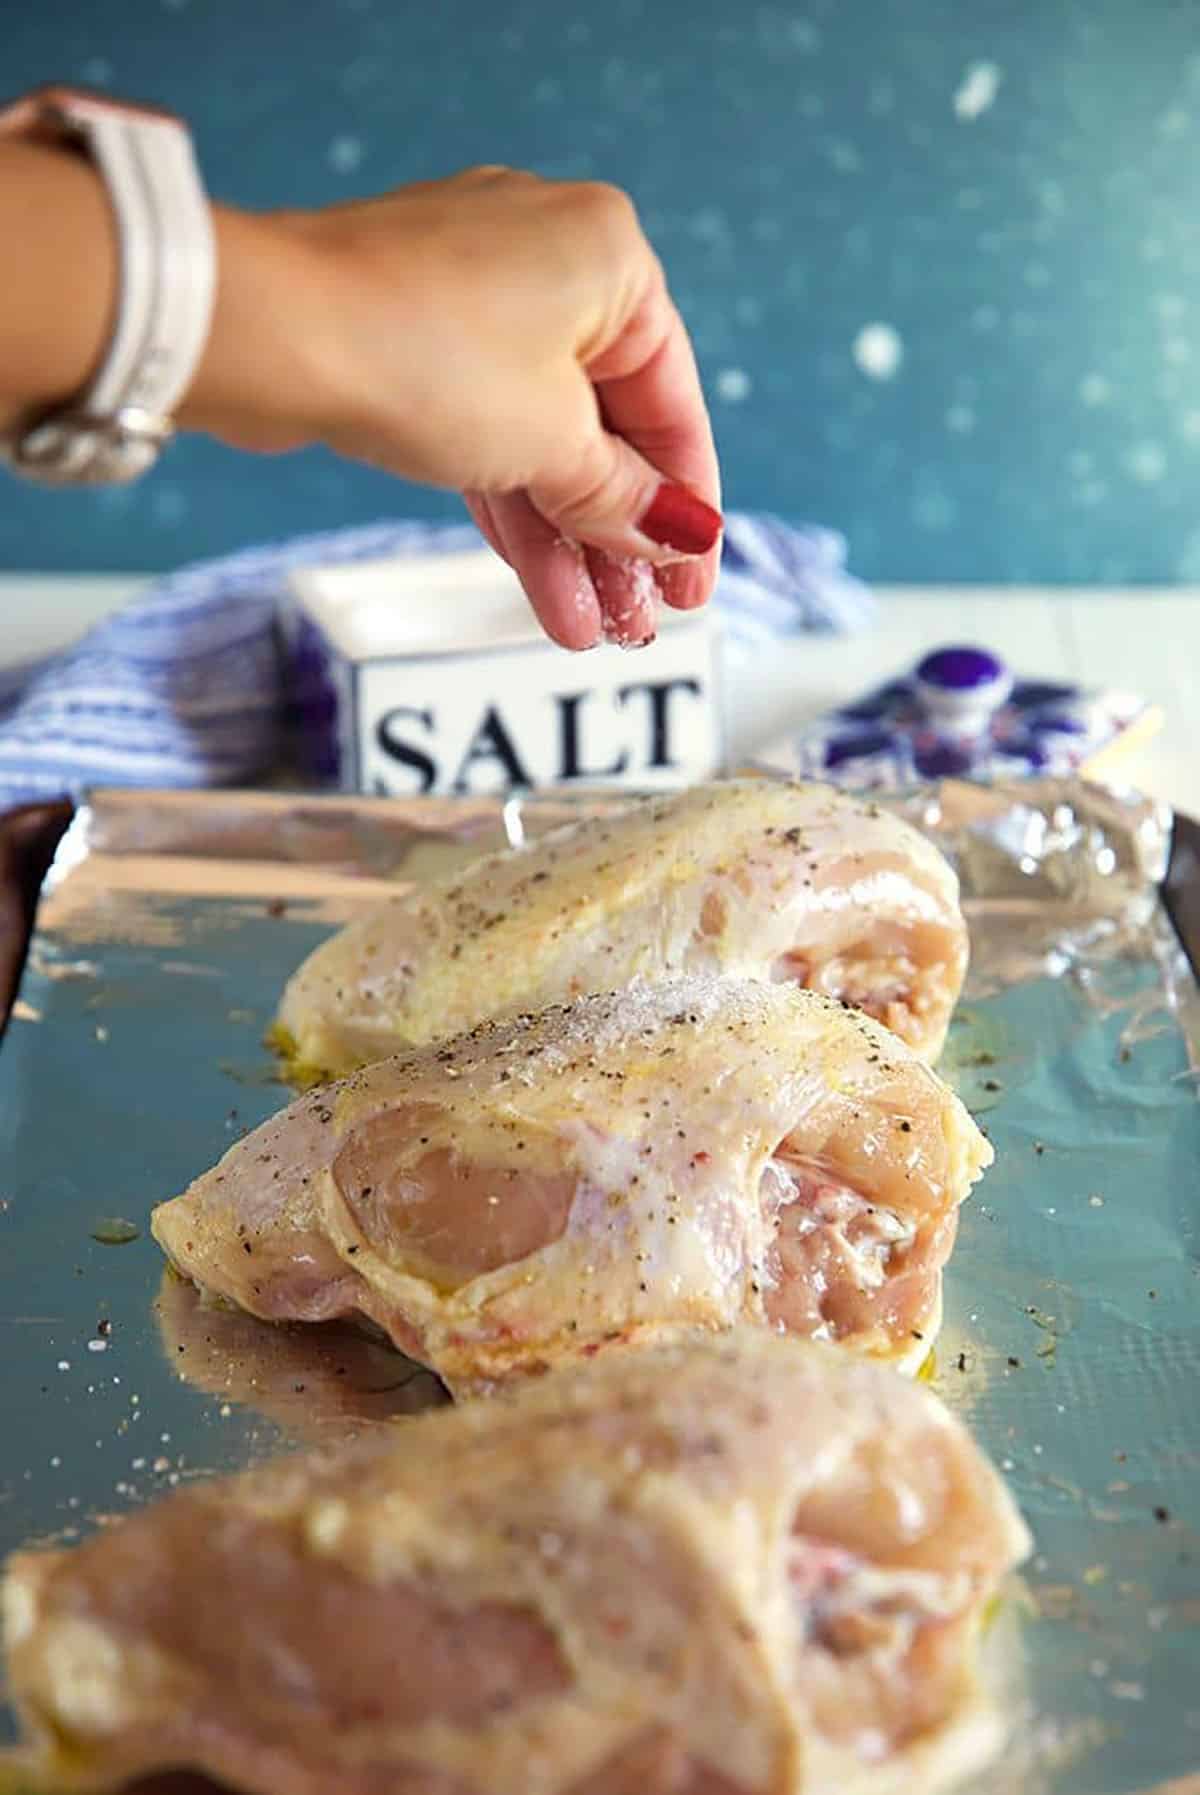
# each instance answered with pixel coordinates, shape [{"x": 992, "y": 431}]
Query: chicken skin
[
  {"x": 691, "y": 1153},
  {"x": 756, "y": 878},
  {"x": 734, "y": 1565}
]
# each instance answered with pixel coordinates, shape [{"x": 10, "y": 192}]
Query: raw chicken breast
[
  {"x": 693, "y": 1152},
  {"x": 757, "y": 878},
  {"x": 734, "y": 1567}
]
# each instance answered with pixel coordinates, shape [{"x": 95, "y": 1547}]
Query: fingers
[
  {"x": 644, "y": 483},
  {"x": 646, "y": 538},
  {"x": 629, "y": 593},
  {"x": 656, "y": 403},
  {"x": 552, "y": 569},
  {"x": 480, "y": 508},
  {"x": 626, "y": 591},
  {"x": 686, "y": 585},
  {"x": 610, "y": 497},
  {"x": 622, "y": 462}
]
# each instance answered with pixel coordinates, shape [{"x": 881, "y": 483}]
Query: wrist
[
  {"x": 56, "y": 328},
  {"x": 264, "y": 380}
]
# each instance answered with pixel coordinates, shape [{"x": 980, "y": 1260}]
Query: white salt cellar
[{"x": 430, "y": 674}]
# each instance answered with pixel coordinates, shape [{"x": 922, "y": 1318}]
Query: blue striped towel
[{"x": 186, "y": 685}]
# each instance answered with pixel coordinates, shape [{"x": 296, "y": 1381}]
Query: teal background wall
[{"x": 940, "y": 257}]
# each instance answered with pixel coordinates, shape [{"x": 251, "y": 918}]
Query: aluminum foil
[{"x": 1072, "y": 1335}]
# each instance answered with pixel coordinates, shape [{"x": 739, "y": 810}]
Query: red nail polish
[{"x": 677, "y": 519}]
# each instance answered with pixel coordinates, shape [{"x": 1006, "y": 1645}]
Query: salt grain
[{"x": 626, "y": 620}]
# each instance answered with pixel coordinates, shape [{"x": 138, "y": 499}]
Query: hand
[{"x": 496, "y": 333}]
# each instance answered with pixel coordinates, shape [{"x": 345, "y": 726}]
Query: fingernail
[{"x": 677, "y": 519}]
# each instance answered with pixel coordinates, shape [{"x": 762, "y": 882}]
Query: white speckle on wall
[
  {"x": 1080, "y": 462},
  {"x": 812, "y": 106},
  {"x": 168, "y": 506},
  {"x": 805, "y": 36},
  {"x": 733, "y": 385},
  {"x": 1153, "y": 249},
  {"x": 1052, "y": 198},
  {"x": 879, "y": 350},
  {"x": 548, "y": 92},
  {"x": 747, "y": 309},
  {"x": 345, "y": 155},
  {"x": 1174, "y": 122},
  {"x": 933, "y": 509},
  {"x": 1170, "y": 307},
  {"x": 858, "y": 242},
  {"x": 844, "y": 159},
  {"x": 1095, "y": 390},
  {"x": 1091, "y": 493},
  {"x": 1147, "y": 462},
  {"x": 174, "y": 5},
  {"x": 984, "y": 318},
  {"x": 881, "y": 97},
  {"x": 977, "y": 90},
  {"x": 960, "y": 420},
  {"x": 969, "y": 199},
  {"x": 710, "y": 225},
  {"x": 97, "y": 71},
  {"x": 1037, "y": 275},
  {"x": 1177, "y": 351},
  {"x": 1189, "y": 424}
]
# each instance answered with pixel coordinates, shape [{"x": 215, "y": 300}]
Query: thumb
[{"x": 610, "y": 497}]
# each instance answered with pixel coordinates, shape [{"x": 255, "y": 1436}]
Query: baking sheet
[{"x": 1072, "y": 1336}]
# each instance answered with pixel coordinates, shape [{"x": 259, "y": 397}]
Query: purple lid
[
  {"x": 961, "y": 670},
  {"x": 960, "y": 689}
]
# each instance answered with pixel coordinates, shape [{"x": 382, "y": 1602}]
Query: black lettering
[
  {"x": 397, "y": 748},
  {"x": 570, "y": 758},
  {"x": 491, "y": 741},
  {"x": 659, "y": 693}
]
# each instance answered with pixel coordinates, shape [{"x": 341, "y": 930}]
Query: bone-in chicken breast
[
  {"x": 691, "y": 1153},
  {"x": 728, "y": 1567},
  {"x": 756, "y": 878}
]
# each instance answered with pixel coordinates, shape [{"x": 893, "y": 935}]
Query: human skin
[{"x": 494, "y": 333}]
